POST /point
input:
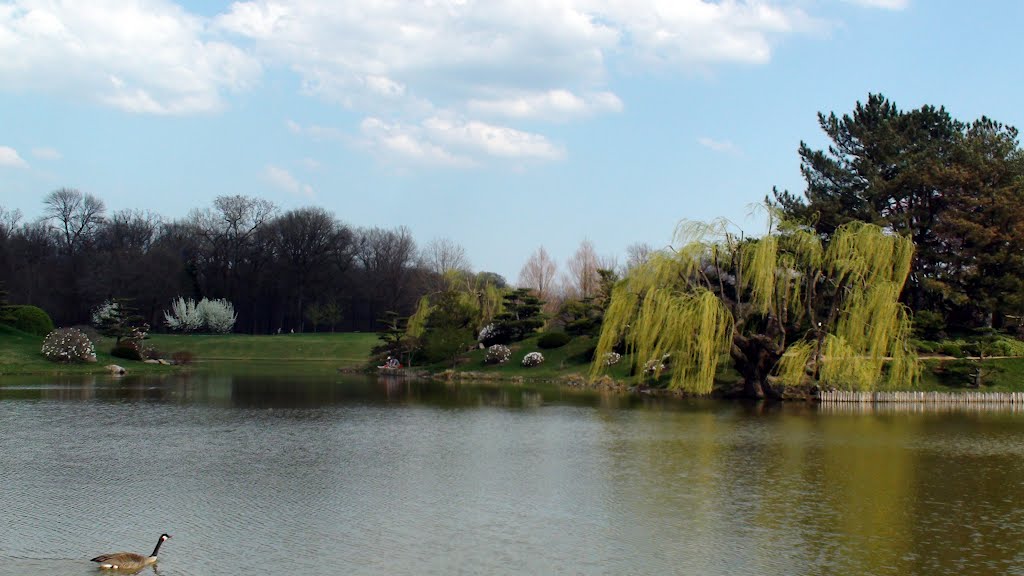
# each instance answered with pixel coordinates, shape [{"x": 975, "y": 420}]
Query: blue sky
[{"x": 502, "y": 125}]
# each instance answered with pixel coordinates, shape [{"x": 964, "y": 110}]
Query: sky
[{"x": 501, "y": 125}]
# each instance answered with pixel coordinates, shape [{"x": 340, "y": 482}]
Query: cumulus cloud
[
  {"x": 9, "y": 157},
  {"x": 283, "y": 180},
  {"x": 408, "y": 141},
  {"x": 551, "y": 105},
  {"x": 144, "y": 56}
]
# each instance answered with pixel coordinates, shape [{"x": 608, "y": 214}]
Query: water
[{"x": 355, "y": 476}]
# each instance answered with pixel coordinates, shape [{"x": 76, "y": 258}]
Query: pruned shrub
[
  {"x": 497, "y": 354},
  {"x": 954, "y": 349},
  {"x": 31, "y": 319},
  {"x": 552, "y": 340},
  {"x": 533, "y": 359},
  {"x": 68, "y": 345},
  {"x": 182, "y": 357},
  {"x": 91, "y": 332},
  {"x": 129, "y": 350}
]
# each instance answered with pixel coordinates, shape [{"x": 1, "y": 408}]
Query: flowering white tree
[
  {"x": 184, "y": 316},
  {"x": 218, "y": 315}
]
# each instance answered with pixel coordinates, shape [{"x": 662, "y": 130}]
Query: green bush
[
  {"x": 951, "y": 348},
  {"x": 129, "y": 350},
  {"x": 924, "y": 346},
  {"x": 551, "y": 340},
  {"x": 31, "y": 319},
  {"x": 1005, "y": 346}
]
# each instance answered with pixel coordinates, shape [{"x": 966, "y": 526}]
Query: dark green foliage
[
  {"x": 393, "y": 338},
  {"x": 129, "y": 350},
  {"x": 449, "y": 328},
  {"x": 953, "y": 187},
  {"x": 552, "y": 340},
  {"x": 951, "y": 349},
  {"x": 182, "y": 357},
  {"x": 929, "y": 325},
  {"x": 30, "y": 319},
  {"x": 122, "y": 322},
  {"x": 522, "y": 316}
]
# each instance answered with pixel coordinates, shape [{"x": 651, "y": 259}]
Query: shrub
[
  {"x": 655, "y": 365},
  {"x": 93, "y": 334},
  {"x": 611, "y": 358},
  {"x": 929, "y": 325},
  {"x": 951, "y": 348},
  {"x": 497, "y": 354},
  {"x": 533, "y": 359},
  {"x": 182, "y": 357},
  {"x": 218, "y": 315},
  {"x": 183, "y": 316},
  {"x": 129, "y": 350},
  {"x": 553, "y": 340},
  {"x": 68, "y": 345},
  {"x": 493, "y": 334},
  {"x": 31, "y": 319},
  {"x": 924, "y": 346}
]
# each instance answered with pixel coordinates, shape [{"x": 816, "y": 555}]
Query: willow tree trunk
[{"x": 755, "y": 357}]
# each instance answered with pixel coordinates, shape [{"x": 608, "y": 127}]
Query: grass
[
  {"x": 324, "y": 353},
  {"x": 236, "y": 353},
  {"x": 20, "y": 354}
]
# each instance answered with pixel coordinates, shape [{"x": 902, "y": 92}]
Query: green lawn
[{"x": 306, "y": 353}]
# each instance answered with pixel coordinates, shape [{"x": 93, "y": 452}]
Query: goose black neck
[{"x": 158, "y": 544}]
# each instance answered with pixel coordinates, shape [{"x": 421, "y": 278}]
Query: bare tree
[
  {"x": 444, "y": 255},
  {"x": 9, "y": 220},
  {"x": 77, "y": 216},
  {"x": 582, "y": 278},
  {"x": 538, "y": 274},
  {"x": 638, "y": 254}
]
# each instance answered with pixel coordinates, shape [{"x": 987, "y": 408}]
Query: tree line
[{"x": 298, "y": 270}]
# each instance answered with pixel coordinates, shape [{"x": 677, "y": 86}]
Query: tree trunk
[{"x": 755, "y": 357}]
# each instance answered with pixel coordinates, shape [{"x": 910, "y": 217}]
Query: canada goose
[{"x": 129, "y": 560}]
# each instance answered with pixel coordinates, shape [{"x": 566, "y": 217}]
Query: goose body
[{"x": 129, "y": 560}]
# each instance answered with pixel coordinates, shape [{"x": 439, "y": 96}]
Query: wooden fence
[{"x": 836, "y": 396}]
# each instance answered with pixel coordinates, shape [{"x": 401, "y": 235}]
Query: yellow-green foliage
[
  {"x": 418, "y": 321},
  {"x": 668, "y": 305}
]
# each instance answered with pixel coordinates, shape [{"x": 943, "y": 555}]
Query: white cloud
[
  {"x": 552, "y": 105},
  {"x": 498, "y": 141},
  {"x": 47, "y": 153},
  {"x": 532, "y": 53},
  {"x": 725, "y": 146},
  {"x": 9, "y": 157},
  {"x": 144, "y": 56},
  {"x": 408, "y": 142},
  {"x": 283, "y": 179},
  {"x": 886, "y": 4},
  {"x": 456, "y": 142},
  {"x": 311, "y": 163}
]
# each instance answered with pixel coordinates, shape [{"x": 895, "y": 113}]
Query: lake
[{"x": 359, "y": 476}]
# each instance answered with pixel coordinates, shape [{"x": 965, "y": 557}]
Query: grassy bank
[
  {"x": 321, "y": 354},
  {"x": 304, "y": 353}
]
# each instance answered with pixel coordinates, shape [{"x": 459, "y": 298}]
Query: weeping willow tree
[{"x": 786, "y": 308}]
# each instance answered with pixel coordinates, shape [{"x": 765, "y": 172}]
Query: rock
[
  {"x": 164, "y": 362},
  {"x": 150, "y": 361},
  {"x": 116, "y": 370}
]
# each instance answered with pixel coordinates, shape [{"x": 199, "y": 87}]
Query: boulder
[{"x": 116, "y": 370}]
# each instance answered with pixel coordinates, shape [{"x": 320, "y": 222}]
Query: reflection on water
[{"x": 262, "y": 476}]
